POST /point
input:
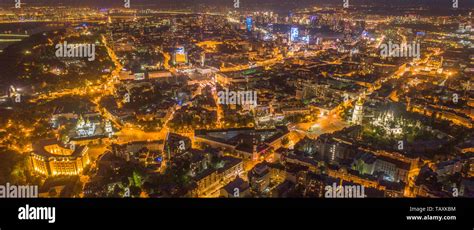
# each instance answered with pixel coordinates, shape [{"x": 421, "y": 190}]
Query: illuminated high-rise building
[
  {"x": 203, "y": 59},
  {"x": 180, "y": 56},
  {"x": 294, "y": 33},
  {"x": 248, "y": 23},
  {"x": 358, "y": 113}
]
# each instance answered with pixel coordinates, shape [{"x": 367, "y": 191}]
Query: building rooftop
[
  {"x": 244, "y": 139},
  {"x": 55, "y": 148},
  {"x": 236, "y": 183}
]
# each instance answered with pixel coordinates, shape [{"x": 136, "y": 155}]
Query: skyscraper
[
  {"x": 294, "y": 34},
  {"x": 248, "y": 23}
]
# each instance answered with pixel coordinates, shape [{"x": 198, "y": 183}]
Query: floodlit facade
[{"x": 51, "y": 158}]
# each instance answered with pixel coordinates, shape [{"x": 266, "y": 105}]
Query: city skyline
[
  {"x": 237, "y": 99},
  {"x": 432, "y": 4}
]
